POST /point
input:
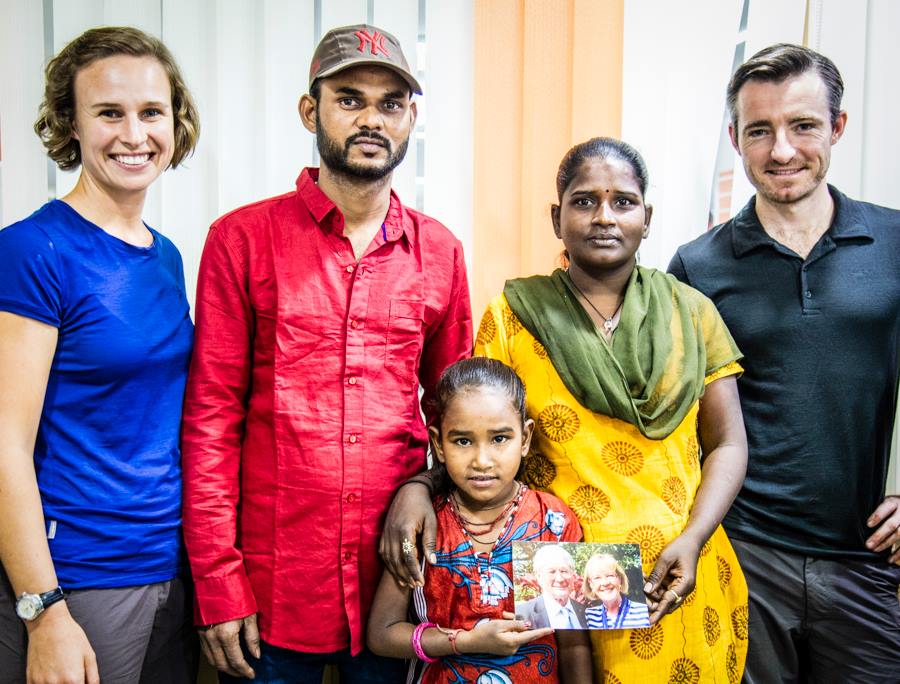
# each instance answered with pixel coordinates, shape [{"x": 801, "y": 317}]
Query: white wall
[
  {"x": 676, "y": 64},
  {"x": 676, "y": 67},
  {"x": 23, "y": 165},
  {"x": 246, "y": 63}
]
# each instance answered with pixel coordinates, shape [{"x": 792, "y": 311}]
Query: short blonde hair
[
  {"x": 56, "y": 117},
  {"x": 589, "y": 568}
]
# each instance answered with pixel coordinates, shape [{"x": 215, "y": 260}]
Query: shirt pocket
[{"x": 403, "y": 342}]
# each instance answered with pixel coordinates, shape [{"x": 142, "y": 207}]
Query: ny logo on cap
[{"x": 375, "y": 43}]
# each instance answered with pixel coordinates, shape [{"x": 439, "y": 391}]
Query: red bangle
[{"x": 417, "y": 642}]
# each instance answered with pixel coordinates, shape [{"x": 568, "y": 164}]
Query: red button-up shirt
[{"x": 302, "y": 413}]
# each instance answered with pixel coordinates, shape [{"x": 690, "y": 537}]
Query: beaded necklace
[
  {"x": 509, "y": 511},
  {"x": 467, "y": 524}
]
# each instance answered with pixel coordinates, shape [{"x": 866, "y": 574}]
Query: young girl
[{"x": 463, "y": 628}]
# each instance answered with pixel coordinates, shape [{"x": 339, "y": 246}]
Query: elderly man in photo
[
  {"x": 555, "y": 571},
  {"x": 808, "y": 282},
  {"x": 319, "y": 315}
]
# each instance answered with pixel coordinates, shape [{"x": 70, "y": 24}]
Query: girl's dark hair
[
  {"x": 479, "y": 372},
  {"x": 604, "y": 148},
  {"x": 472, "y": 373}
]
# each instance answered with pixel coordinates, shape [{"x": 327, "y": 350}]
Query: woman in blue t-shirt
[{"x": 95, "y": 338}]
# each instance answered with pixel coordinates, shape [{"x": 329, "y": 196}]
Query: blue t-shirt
[{"x": 107, "y": 452}]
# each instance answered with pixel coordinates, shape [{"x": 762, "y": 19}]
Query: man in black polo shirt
[{"x": 808, "y": 282}]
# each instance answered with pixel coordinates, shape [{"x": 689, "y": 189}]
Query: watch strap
[{"x": 48, "y": 598}]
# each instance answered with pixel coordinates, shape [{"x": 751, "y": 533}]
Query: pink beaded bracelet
[{"x": 417, "y": 642}]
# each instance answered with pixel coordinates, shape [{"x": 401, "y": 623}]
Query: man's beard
[{"x": 337, "y": 158}]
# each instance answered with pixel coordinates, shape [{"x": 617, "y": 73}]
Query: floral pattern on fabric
[
  {"x": 589, "y": 503},
  {"x": 739, "y": 620},
  {"x": 622, "y": 458},
  {"x": 486, "y": 330},
  {"x": 539, "y": 471},
  {"x": 724, "y": 572},
  {"x": 646, "y": 643},
  {"x": 558, "y": 422},
  {"x": 674, "y": 494}
]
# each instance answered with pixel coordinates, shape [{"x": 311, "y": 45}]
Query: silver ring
[{"x": 408, "y": 547}]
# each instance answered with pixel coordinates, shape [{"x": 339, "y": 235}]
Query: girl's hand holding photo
[{"x": 500, "y": 637}]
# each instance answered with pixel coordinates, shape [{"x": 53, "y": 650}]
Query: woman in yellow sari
[{"x": 631, "y": 380}]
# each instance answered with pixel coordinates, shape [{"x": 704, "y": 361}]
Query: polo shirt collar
[
  {"x": 321, "y": 207},
  {"x": 849, "y": 219},
  {"x": 849, "y": 222}
]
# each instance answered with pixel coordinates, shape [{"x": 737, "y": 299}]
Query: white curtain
[
  {"x": 246, "y": 63},
  {"x": 677, "y": 61}
]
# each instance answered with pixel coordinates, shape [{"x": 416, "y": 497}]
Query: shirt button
[
  {"x": 349, "y": 269},
  {"x": 352, "y": 439},
  {"x": 351, "y": 498},
  {"x": 351, "y": 380},
  {"x": 809, "y": 294},
  {"x": 347, "y": 555},
  {"x": 354, "y": 324}
]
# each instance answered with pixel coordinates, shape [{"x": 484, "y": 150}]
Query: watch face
[{"x": 29, "y": 606}]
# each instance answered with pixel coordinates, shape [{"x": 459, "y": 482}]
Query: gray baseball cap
[{"x": 349, "y": 46}]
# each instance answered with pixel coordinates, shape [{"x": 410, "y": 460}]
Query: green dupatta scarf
[{"x": 652, "y": 370}]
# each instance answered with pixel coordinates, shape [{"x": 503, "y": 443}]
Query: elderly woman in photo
[
  {"x": 95, "y": 340},
  {"x": 606, "y": 587}
]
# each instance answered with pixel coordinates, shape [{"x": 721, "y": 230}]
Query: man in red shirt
[{"x": 319, "y": 314}]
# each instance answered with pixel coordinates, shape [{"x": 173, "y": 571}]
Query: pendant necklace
[{"x": 608, "y": 323}]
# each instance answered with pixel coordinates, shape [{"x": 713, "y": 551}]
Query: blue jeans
[{"x": 283, "y": 666}]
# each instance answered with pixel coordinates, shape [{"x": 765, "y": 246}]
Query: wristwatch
[{"x": 29, "y": 606}]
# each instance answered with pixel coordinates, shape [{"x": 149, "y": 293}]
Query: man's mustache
[{"x": 368, "y": 136}]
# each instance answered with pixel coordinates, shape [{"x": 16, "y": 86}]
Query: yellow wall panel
[
  {"x": 598, "y": 30},
  {"x": 548, "y": 74},
  {"x": 498, "y": 149},
  {"x": 546, "y": 124}
]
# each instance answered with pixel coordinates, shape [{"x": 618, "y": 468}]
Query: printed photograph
[{"x": 579, "y": 585}]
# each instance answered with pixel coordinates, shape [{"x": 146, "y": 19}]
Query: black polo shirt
[{"x": 820, "y": 338}]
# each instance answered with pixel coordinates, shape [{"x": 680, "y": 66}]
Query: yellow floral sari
[{"x": 624, "y": 487}]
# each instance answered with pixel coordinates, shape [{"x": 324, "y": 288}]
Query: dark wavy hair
[
  {"x": 468, "y": 374},
  {"x": 478, "y": 372},
  {"x": 56, "y": 116},
  {"x": 779, "y": 62}
]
